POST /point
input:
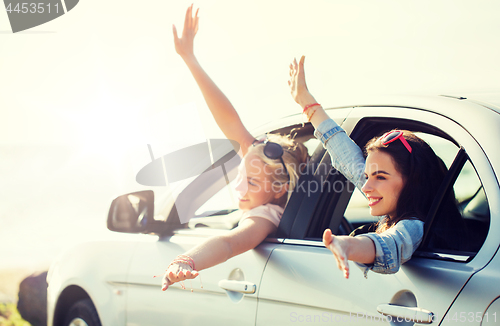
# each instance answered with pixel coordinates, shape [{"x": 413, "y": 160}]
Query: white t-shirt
[{"x": 270, "y": 212}]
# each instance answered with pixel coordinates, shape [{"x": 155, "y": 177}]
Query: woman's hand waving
[
  {"x": 184, "y": 45},
  {"x": 297, "y": 83}
]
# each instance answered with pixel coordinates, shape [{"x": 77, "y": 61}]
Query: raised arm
[
  {"x": 344, "y": 248},
  {"x": 223, "y": 111},
  {"x": 301, "y": 94},
  {"x": 250, "y": 233}
]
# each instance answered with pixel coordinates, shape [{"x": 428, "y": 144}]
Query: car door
[
  {"x": 478, "y": 303},
  {"x": 222, "y": 295},
  {"x": 301, "y": 282},
  {"x": 225, "y": 294},
  {"x": 205, "y": 300}
]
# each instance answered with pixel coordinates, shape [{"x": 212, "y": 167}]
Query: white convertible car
[{"x": 291, "y": 277}]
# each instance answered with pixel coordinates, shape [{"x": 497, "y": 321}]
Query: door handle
[
  {"x": 238, "y": 286},
  {"x": 414, "y": 314}
]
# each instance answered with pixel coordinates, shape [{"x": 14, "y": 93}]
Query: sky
[{"x": 81, "y": 96}]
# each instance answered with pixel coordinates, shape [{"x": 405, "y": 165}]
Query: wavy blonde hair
[{"x": 295, "y": 157}]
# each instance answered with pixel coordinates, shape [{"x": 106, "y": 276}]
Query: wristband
[
  {"x": 309, "y": 117},
  {"x": 309, "y": 106}
]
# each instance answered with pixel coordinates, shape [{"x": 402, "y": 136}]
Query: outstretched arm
[
  {"x": 216, "y": 250},
  {"x": 223, "y": 111},
  {"x": 344, "y": 248}
]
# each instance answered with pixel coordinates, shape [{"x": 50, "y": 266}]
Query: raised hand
[
  {"x": 184, "y": 45},
  {"x": 338, "y": 247},
  {"x": 297, "y": 83}
]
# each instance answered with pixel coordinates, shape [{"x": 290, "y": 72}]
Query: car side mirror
[{"x": 132, "y": 213}]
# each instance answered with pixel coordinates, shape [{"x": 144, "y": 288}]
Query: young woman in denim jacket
[
  {"x": 267, "y": 175},
  {"x": 399, "y": 177}
]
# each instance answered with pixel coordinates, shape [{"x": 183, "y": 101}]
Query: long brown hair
[{"x": 423, "y": 172}]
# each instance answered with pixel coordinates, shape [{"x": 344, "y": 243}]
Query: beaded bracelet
[
  {"x": 186, "y": 260},
  {"x": 183, "y": 259},
  {"x": 309, "y": 106}
]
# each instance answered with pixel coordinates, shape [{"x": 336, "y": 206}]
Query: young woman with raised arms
[
  {"x": 268, "y": 173},
  {"x": 400, "y": 177}
]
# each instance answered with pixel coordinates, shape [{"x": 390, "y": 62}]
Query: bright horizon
[{"x": 82, "y": 96}]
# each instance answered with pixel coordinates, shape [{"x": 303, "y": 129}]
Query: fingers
[
  {"x": 176, "y": 37},
  {"x": 333, "y": 243},
  {"x": 187, "y": 18},
  {"x": 170, "y": 277},
  {"x": 165, "y": 283},
  {"x": 294, "y": 66},
  {"x": 327, "y": 237},
  {"x": 301, "y": 62},
  {"x": 190, "y": 275},
  {"x": 297, "y": 69},
  {"x": 190, "y": 21},
  {"x": 341, "y": 257},
  {"x": 301, "y": 65},
  {"x": 190, "y": 24},
  {"x": 195, "y": 23}
]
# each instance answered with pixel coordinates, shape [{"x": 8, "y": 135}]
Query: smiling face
[
  {"x": 254, "y": 185},
  {"x": 383, "y": 184}
]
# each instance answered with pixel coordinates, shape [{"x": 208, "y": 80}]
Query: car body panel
[
  {"x": 100, "y": 269},
  {"x": 214, "y": 305},
  {"x": 484, "y": 309},
  {"x": 305, "y": 281},
  {"x": 296, "y": 279}
]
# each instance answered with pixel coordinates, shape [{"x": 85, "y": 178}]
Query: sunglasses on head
[
  {"x": 392, "y": 136},
  {"x": 273, "y": 151}
]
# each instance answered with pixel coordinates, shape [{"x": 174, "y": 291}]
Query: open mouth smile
[{"x": 372, "y": 201}]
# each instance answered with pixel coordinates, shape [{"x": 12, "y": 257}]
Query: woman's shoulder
[
  {"x": 267, "y": 209},
  {"x": 411, "y": 220},
  {"x": 270, "y": 212},
  {"x": 412, "y": 225}
]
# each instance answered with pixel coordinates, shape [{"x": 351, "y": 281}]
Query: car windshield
[{"x": 165, "y": 197}]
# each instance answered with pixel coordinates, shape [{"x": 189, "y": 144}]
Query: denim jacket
[{"x": 394, "y": 246}]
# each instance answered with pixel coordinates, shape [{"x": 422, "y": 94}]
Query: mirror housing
[{"x": 132, "y": 213}]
